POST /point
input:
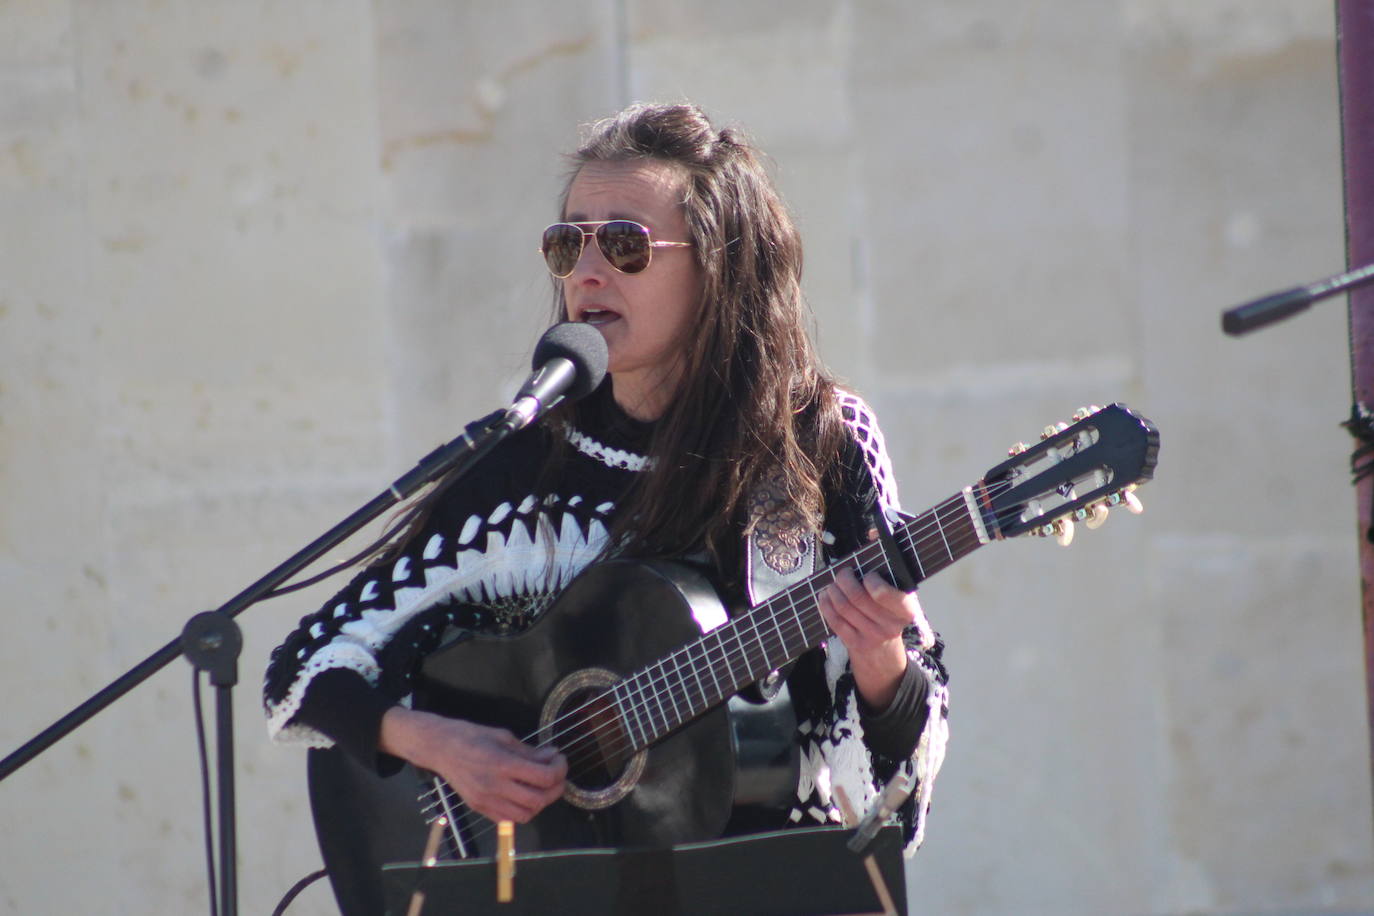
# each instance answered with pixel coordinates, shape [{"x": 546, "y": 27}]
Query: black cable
[
  {"x": 205, "y": 793},
  {"x": 296, "y": 890},
  {"x": 392, "y": 529}
]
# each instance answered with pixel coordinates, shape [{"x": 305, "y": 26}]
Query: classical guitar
[{"x": 619, "y": 675}]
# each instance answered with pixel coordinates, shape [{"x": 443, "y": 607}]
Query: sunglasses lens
[
  {"x": 562, "y": 246},
  {"x": 625, "y": 245}
]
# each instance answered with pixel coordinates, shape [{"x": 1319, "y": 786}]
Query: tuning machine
[
  {"x": 1093, "y": 515},
  {"x": 1060, "y": 529},
  {"x": 1126, "y": 498},
  {"x": 1083, "y": 413}
]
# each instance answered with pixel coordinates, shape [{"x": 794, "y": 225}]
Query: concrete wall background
[{"x": 257, "y": 258}]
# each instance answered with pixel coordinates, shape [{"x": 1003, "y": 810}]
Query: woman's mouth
[{"x": 597, "y": 316}]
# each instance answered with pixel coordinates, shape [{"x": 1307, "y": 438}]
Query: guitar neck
[{"x": 704, "y": 673}]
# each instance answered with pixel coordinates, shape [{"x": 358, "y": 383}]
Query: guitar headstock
[{"x": 1076, "y": 473}]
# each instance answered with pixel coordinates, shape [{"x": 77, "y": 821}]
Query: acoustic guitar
[{"x": 619, "y": 675}]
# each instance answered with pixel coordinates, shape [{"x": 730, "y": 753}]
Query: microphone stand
[
  {"x": 211, "y": 640},
  {"x": 1250, "y": 316}
]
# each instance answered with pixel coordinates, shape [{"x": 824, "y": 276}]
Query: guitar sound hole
[
  {"x": 580, "y": 718},
  {"x": 592, "y": 740}
]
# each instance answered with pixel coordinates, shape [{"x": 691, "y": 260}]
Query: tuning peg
[
  {"x": 1083, "y": 413},
  {"x": 1097, "y": 516},
  {"x": 1053, "y": 430},
  {"x": 1133, "y": 503},
  {"x": 1063, "y": 531}
]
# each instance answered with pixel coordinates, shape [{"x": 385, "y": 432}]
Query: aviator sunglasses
[{"x": 624, "y": 244}]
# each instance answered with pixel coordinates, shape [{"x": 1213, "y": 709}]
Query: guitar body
[{"x": 617, "y": 616}]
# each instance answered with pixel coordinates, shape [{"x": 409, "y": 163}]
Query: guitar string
[
  {"x": 758, "y": 636},
  {"x": 445, "y": 791},
  {"x": 761, "y": 639},
  {"x": 739, "y": 629},
  {"x": 754, "y": 617},
  {"x": 753, "y": 629},
  {"x": 449, "y": 795},
  {"x": 860, "y": 558},
  {"x": 991, "y": 490},
  {"x": 753, "y": 620},
  {"x": 746, "y": 626}
]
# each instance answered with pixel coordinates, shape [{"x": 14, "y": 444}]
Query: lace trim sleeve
[
  {"x": 507, "y": 554},
  {"x": 863, "y": 426},
  {"x": 834, "y": 750}
]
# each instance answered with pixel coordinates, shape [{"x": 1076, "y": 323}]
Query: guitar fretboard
[{"x": 704, "y": 673}]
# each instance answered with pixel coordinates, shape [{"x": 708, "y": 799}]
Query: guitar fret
[
  {"x": 743, "y": 654},
  {"x": 719, "y": 694},
  {"x": 800, "y": 625},
  {"x": 659, "y": 723},
  {"x": 818, "y": 621},
  {"x": 690, "y": 675},
  {"x": 956, "y": 522},
  {"x": 665, "y": 690},
  {"x": 645, "y": 701},
  {"x": 782, "y": 640},
  {"x": 920, "y": 567},
  {"x": 634, "y": 703},
  {"x": 940, "y": 527},
  {"x": 882, "y": 561},
  {"x": 703, "y": 699},
  {"x": 755, "y": 674},
  {"x": 674, "y": 690},
  {"x": 625, "y": 709}
]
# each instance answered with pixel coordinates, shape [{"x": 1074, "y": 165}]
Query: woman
[{"x": 716, "y": 434}]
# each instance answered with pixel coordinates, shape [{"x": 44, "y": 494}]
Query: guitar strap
[
  {"x": 762, "y": 716},
  {"x": 779, "y": 551},
  {"x": 764, "y": 578}
]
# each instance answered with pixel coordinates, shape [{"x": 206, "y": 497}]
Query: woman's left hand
[{"x": 869, "y": 617}]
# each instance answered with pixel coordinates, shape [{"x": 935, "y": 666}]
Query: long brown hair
[{"x": 754, "y": 409}]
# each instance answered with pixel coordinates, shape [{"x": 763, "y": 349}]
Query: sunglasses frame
[{"x": 596, "y": 227}]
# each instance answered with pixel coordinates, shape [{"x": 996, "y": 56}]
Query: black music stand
[{"x": 802, "y": 872}]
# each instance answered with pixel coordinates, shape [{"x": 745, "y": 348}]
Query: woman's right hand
[{"x": 497, "y": 775}]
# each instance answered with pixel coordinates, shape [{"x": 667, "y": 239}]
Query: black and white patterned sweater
[{"x": 496, "y": 553}]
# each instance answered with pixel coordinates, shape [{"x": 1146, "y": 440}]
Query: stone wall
[{"x": 257, "y": 258}]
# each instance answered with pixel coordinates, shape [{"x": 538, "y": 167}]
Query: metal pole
[
  {"x": 1355, "y": 57},
  {"x": 228, "y": 830}
]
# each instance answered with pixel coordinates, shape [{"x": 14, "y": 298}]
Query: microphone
[
  {"x": 1257, "y": 313},
  {"x": 569, "y": 363}
]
